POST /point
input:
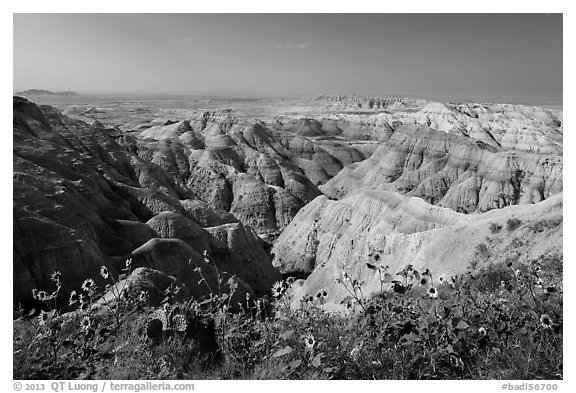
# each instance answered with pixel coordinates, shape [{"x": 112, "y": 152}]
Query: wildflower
[
  {"x": 73, "y": 299},
  {"x": 55, "y": 276},
  {"x": 502, "y": 283},
  {"x": 344, "y": 274},
  {"x": 309, "y": 341},
  {"x": 539, "y": 283},
  {"x": 86, "y": 324},
  {"x": 537, "y": 269},
  {"x": 143, "y": 296},
  {"x": 88, "y": 285},
  {"x": 482, "y": 330},
  {"x": 551, "y": 289},
  {"x": 546, "y": 321},
  {"x": 128, "y": 263},
  {"x": 432, "y": 292},
  {"x": 104, "y": 272},
  {"x": 517, "y": 272},
  {"x": 277, "y": 289},
  {"x": 42, "y": 295},
  {"x": 355, "y": 352},
  {"x": 34, "y": 293},
  {"x": 83, "y": 303},
  {"x": 247, "y": 296},
  {"x": 42, "y": 318},
  {"x": 206, "y": 257}
]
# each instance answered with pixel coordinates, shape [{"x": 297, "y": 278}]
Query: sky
[{"x": 514, "y": 57}]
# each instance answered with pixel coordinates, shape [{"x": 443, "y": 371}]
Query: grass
[{"x": 498, "y": 322}]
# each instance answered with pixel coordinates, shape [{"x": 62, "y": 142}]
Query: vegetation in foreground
[{"x": 499, "y": 322}]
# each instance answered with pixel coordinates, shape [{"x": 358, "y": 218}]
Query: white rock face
[
  {"x": 387, "y": 229},
  {"x": 503, "y": 126},
  {"x": 452, "y": 171}
]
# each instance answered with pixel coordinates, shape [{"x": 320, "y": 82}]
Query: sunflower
[
  {"x": 424, "y": 280},
  {"x": 539, "y": 283},
  {"x": 83, "y": 303},
  {"x": 73, "y": 299},
  {"x": 42, "y": 295},
  {"x": 355, "y": 352},
  {"x": 88, "y": 285},
  {"x": 432, "y": 292},
  {"x": 206, "y": 257},
  {"x": 42, "y": 318},
  {"x": 104, "y": 272},
  {"x": 546, "y": 321},
  {"x": 86, "y": 323},
  {"x": 309, "y": 341},
  {"x": 56, "y": 276},
  {"x": 277, "y": 289}
]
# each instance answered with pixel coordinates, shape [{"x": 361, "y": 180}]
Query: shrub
[
  {"x": 512, "y": 224},
  {"x": 479, "y": 325},
  {"x": 495, "y": 228},
  {"x": 542, "y": 225},
  {"x": 482, "y": 250}
]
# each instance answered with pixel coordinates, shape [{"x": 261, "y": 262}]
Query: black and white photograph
[{"x": 287, "y": 196}]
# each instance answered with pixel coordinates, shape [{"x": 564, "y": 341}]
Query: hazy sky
[{"x": 518, "y": 57}]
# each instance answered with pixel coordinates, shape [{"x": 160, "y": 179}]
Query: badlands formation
[{"x": 309, "y": 193}]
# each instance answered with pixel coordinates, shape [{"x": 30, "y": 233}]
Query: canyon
[{"x": 263, "y": 191}]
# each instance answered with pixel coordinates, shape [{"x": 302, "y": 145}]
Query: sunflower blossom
[
  {"x": 86, "y": 323},
  {"x": 42, "y": 318},
  {"x": 309, "y": 341},
  {"x": 88, "y": 285},
  {"x": 104, "y": 272},
  {"x": 277, "y": 289},
  {"x": 546, "y": 321}
]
